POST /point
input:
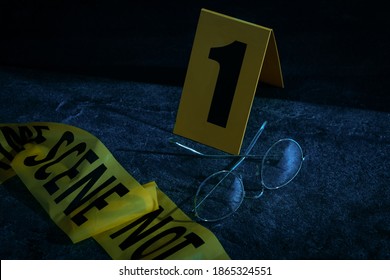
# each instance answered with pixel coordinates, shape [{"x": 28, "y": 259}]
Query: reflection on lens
[
  {"x": 250, "y": 174},
  {"x": 281, "y": 163},
  {"x": 219, "y": 196}
]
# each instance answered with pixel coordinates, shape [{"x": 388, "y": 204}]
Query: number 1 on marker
[
  {"x": 227, "y": 58},
  {"x": 230, "y": 59}
]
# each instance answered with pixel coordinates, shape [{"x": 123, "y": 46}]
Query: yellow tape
[
  {"x": 75, "y": 178},
  {"x": 166, "y": 233},
  {"x": 86, "y": 192}
]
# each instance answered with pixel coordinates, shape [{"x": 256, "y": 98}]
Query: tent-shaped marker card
[{"x": 229, "y": 56}]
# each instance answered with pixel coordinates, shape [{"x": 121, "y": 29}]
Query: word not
[{"x": 169, "y": 236}]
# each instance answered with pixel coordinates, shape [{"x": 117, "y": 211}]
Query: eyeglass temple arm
[
  {"x": 186, "y": 147},
  {"x": 196, "y": 152},
  {"x": 250, "y": 147},
  {"x": 245, "y": 155}
]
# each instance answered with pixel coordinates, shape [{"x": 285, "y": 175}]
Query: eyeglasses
[{"x": 222, "y": 193}]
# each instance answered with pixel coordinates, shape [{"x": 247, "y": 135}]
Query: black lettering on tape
[
  {"x": 5, "y": 153},
  {"x": 51, "y": 186},
  {"x": 177, "y": 232},
  {"x": 42, "y": 174},
  {"x": 89, "y": 181},
  {"x": 16, "y": 140},
  {"x": 139, "y": 233},
  {"x": 99, "y": 202},
  {"x": 25, "y": 135},
  {"x": 67, "y": 138},
  {"x": 190, "y": 238},
  {"x": 40, "y": 138}
]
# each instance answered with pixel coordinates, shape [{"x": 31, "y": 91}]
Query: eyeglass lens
[
  {"x": 222, "y": 193},
  {"x": 281, "y": 163},
  {"x": 219, "y": 196}
]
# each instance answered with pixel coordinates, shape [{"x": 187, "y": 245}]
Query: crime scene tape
[
  {"x": 87, "y": 193},
  {"x": 166, "y": 233}
]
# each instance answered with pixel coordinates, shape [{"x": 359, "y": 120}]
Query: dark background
[
  {"x": 332, "y": 52},
  {"x": 117, "y": 68}
]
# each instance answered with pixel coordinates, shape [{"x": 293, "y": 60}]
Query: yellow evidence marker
[{"x": 228, "y": 58}]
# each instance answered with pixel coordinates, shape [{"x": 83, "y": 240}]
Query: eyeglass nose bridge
[
  {"x": 296, "y": 153},
  {"x": 241, "y": 158}
]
